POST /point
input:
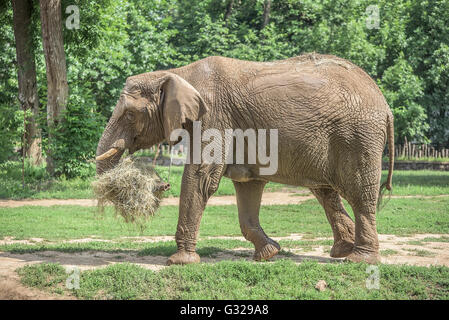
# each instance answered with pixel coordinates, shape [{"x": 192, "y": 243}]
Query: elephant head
[{"x": 150, "y": 107}]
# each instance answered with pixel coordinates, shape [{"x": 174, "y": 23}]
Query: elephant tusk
[{"x": 107, "y": 154}]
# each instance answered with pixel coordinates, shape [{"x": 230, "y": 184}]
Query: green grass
[
  {"x": 400, "y": 217},
  {"x": 420, "y": 182},
  {"x": 423, "y": 159},
  {"x": 162, "y": 248},
  {"x": 226, "y": 186},
  {"x": 432, "y": 239},
  {"x": 415, "y": 243},
  {"x": 226, "y": 279},
  {"x": 282, "y": 279},
  {"x": 48, "y": 276},
  {"x": 388, "y": 252},
  {"x": 421, "y": 253},
  {"x": 39, "y": 186},
  {"x": 205, "y": 247},
  {"x": 428, "y": 239}
]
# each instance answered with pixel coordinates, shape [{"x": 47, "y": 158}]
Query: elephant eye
[
  {"x": 161, "y": 96},
  {"x": 130, "y": 116}
]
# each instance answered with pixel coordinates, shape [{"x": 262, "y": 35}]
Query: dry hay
[{"x": 133, "y": 187}]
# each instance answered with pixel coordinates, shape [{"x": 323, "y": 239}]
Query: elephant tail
[
  {"x": 388, "y": 184},
  {"x": 390, "y": 135}
]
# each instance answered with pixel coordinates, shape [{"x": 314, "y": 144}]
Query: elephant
[{"x": 333, "y": 124}]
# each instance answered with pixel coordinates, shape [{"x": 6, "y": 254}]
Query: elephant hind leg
[
  {"x": 363, "y": 200},
  {"x": 366, "y": 246},
  {"x": 342, "y": 225},
  {"x": 249, "y": 195}
]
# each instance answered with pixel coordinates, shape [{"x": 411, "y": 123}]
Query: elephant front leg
[
  {"x": 249, "y": 195},
  {"x": 199, "y": 182}
]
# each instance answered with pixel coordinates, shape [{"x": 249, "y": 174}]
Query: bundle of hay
[{"x": 133, "y": 187}]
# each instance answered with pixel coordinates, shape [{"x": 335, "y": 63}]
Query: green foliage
[
  {"x": 76, "y": 137},
  {"x": 407, "y": 55},
  {"x": 11, "y": 123},
  {"x": 428, "y": 53},
  {"x": 10, "y": 116},
  {"x": 35, "y": 177},
  {"x": 402, "y": 89}
]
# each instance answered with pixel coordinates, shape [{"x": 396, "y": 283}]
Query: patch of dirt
[
  {"x": 268, "y": 198},
  {"x": 11, "y": 240},
  {"x": 12, "y": 289},
  {"x": 47, "y": 203},
  {"x": 285, "y": 196}
]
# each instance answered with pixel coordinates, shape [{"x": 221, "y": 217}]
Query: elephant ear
[{"x": 180, "y": 102}]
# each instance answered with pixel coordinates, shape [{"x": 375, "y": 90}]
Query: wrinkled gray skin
[{"x": 333, "y": 124}]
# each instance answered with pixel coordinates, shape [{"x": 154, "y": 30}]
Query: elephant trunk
[{"x": 109, "y": 150}]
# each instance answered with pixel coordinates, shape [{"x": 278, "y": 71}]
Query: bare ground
[
  {"x": 288, "y": 196},
  {"x": 269, "y": 198}
]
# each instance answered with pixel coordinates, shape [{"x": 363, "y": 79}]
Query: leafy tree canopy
[{"x": 406, "y": 52}]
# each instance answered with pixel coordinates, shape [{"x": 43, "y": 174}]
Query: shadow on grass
[
  {"x": 167, "y": 249},
  {"x": 156, "y": 255}
]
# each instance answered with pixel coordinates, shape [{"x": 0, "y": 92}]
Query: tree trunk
[
  {"x": 57, "y": 87},
  {"x": 266, "y": 13},
  {"x": 26, "y": 74},
  {"x": 228, "y": 11}
]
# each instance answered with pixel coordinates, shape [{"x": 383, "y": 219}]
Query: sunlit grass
[
  {"x": 237, "y": 280},
  {"x": 399, "y": 216},
  {"x": 39, "y": 186}
]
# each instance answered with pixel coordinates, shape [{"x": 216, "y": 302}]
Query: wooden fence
[
  {"x": 407, "y": 150},
  {"x": 163, "y": 148},
  {"x": 418, "y": 151}
]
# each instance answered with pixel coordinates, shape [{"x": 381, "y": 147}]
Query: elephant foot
[
  {"x": 267, "y": 251},
  {"x": 341, "y": 249},
  {"x": 183, "y": 257},
  {"x": 363, "y": 256}
]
